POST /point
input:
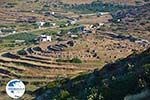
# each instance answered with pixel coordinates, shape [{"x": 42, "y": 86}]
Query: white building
[
  {"x": 104, "y": 13},
  {"x": 54, "y": 24},
  {"x": 72, "y": 22},
  {"x": 53, "y": 13},
  {"x": 74, "y": 36},
  {"x": 101, "y": 24},
  {"x": 14, "y": 32},
  {"x": 45, "y": 38},
  {"x": 40, "y": 24},
  {"x": 19, "y": 41}
]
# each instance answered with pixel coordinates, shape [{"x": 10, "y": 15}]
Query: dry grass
[
  {"x": 78, "y": 1},
  {"x": 95, "y": 19}
]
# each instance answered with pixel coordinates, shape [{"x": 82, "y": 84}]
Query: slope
[{"x": 116, "y": 81}]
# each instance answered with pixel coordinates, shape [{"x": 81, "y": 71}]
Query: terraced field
[{"x": 36, "y": 67}]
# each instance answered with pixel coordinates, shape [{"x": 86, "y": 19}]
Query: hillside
[
  {"x": 128, "y": 2},
  {"x": 133, "y": 21},
  {"x": 126, "y": 79},
  {"x": 82, "y": 1},
  {"x": 67, "y": 49}
]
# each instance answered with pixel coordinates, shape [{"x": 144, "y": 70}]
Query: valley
[{"x": 48, "y": 41}]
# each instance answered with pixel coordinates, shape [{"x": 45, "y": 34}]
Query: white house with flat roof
[
  {"x": 45, "y": 38},
  {"x": 40, "y": 24}
]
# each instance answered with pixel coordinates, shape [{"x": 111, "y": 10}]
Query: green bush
[
  {"x": 147, "y": 66},
  {"x": 76, "y": 60},
  {"x": 22, "y": 52},
  {"x": 51, "y": 85},
  {"x": 28, "y": 37},
  {"x": 61, "y": 60},
  {"x": 96, "y": 6},
  {"x": 47, "y": 24},
  {"x": 35, "y": 25},
  {"x": 64, "y": 94},
  {"x": 37, "y": 48}
]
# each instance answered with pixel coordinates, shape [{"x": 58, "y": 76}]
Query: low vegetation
[
  {"x": 96, "y": 6},
  {"x": 115, "y": 81},
  {"x": 28, "y": 37},
  {"x": 73, "y": 60},
  {"x": 84, "y": 38}
]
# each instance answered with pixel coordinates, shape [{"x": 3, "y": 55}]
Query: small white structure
[
  {"x": 91, "y": 26},
  {"x": 53, "y": 13},
  {"x": 72, "y": 22},
  {"x": 74, "y": 36},
  {"x": 67, "y": 24},
  {"x": 104, "y": 13},
  {"x": 59, "y": 32},
  {"x": 101, "y": 24},
  {"x": 69, "y": 32},
  {"x": 45, "y": 38},
  {"x": 54, "y": 24},
  {"x": 40, "y": 24},
  {"x": 14, "y": 32},
  {"x": 142, "y": 41},
  {"x": 118, "y": 20},
  {"x": 19, "y": 41}
]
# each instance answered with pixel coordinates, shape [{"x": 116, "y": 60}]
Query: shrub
[
  {"x": 37, "y": 49},
  {"x": 22, "y": 52},
  {"x": 9, "y": 55},
  {"x": 64, "y": 94},
  {"x": 61, "y": 60},
  {"x": 51, "y": 85},
  {"x": 147, "y": 66},
  {"x": 28, "y": 37},
  {"x": 76, "y": 60},
  {"x": 96, "y": 7},
  {"x": 47, "y": 24}
]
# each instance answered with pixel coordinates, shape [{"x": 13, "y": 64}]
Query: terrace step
[
  {"x": 10, "y": 55},
  {"x": 38, "y": 57},
  {"x": 2, "y": 76},
  {"x": 30, "y": 50},
  {"x": 6, "y": 72},
  {"x": 12, "y": 67},
  {"x": 40, "y": 65}
]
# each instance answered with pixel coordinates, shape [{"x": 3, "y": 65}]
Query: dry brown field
[
  {"x": 77, "y": 1},
  {"x": 95, "y": 19}
]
